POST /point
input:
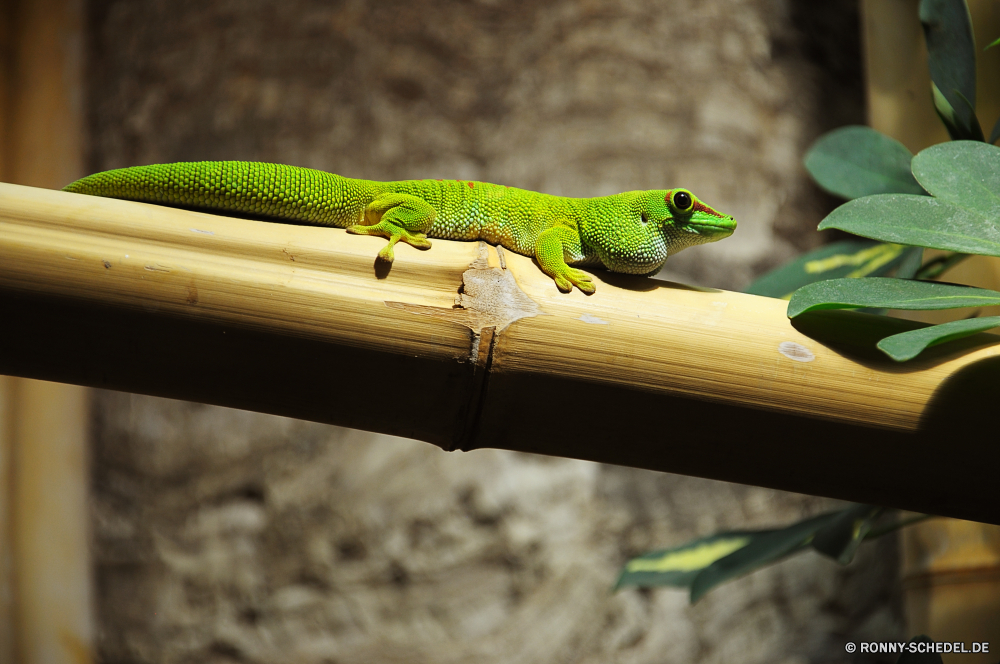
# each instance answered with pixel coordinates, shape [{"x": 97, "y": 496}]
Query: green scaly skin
[{"x": 633, "y": 232}]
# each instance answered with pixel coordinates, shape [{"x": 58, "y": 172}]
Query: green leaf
[
  {"x": 908, "y": 345},
  {"x": 946, "y": 112},
  {"x": 847, "y": 258},
  {"x": 680, "y": 565},
  {"x": 995, "y": 134},
  {"x": 920, "y": 221},
  {"x": 963, "y": 173},
  {"x": 762, "y": 550},
  {"x": 992, "y": 44},
  {"x": 841, "y": 538},
  {"x": 910, "y": 264},
  {"x": 885, "y": 293},
  {"x": 951, "y": 53},
  {"x": 962, "y": 124},
  {"x": 975, "y": 130},
  {"x": 858, "y": 161},
  {"x": 919, "y": 657}
]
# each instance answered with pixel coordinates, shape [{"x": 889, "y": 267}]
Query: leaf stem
[
  {"x": 886, "y": 529},
  {"x": 940, "y": 265}
]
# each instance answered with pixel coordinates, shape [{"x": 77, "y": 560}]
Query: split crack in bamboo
[{"x": 488, "y": 301}]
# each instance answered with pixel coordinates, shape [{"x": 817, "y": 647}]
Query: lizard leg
[
  {"x": 397, "y": 217},
  {"x": 550, "y": 252}
]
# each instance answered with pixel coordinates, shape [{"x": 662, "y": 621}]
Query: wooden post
[
  {"x": 8, "y": 610},
  {"x": 951, "y": 568},
  {"x": 45, "y": 573},
  {"x": 951, "y": 584},
  {"x": 51, "y": 558}
]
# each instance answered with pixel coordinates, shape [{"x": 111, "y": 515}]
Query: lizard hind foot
[{"x": 571, "y": 277}]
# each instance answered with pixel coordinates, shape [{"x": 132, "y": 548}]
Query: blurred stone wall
[{"x": 224, "y": 536}]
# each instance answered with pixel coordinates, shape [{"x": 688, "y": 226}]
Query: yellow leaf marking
[
  {"x": 688, "y": 560},
  {"x": 869, "y": 260}
]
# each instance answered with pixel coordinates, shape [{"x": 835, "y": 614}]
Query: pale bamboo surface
[{"x": 643, "y": 373}]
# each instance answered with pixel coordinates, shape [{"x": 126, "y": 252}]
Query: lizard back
[
  {"x": 498, "y": 214},
  {"x": 466, "y": 210}
]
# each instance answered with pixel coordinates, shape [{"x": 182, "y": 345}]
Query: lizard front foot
[{"x": 551, "y": 249}]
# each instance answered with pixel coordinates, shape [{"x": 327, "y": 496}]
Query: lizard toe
[
  {"x": 563, "y": 284},
  {"x": 386, "y": 254},
  {"x": 418, "y": 240},
  {"x": 583, "y": 281}
]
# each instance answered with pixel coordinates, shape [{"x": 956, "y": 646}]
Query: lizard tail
[{"x": 267, "y": 191}]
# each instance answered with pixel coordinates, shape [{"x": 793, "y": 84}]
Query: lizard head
[
  {"x": 650, "y": 226},
  {"x": 687, "y": 221}
]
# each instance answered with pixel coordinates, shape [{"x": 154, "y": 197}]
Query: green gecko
[{"x": 633, "y": 232}]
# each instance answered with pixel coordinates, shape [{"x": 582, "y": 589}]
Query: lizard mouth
[{"x": 715, "y": 228}]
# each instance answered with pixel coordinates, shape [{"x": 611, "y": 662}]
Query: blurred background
[{"x": 135, "y": 529}]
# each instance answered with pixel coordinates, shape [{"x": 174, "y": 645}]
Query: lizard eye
[{"x": 682, "y": 200}]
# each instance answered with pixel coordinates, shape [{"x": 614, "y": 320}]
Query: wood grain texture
[{"x": 643, "y": 373}]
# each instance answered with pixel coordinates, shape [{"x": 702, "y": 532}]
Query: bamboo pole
[{"x": 298, "y": 321}]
